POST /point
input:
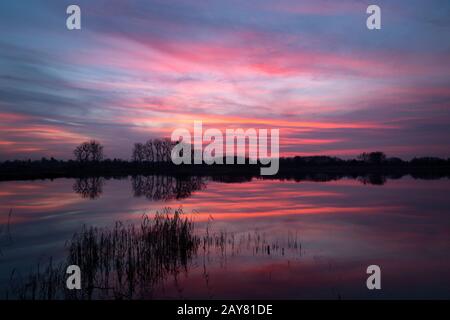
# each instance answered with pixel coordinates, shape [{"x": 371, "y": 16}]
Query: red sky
[{"x": 310, "y": 68}]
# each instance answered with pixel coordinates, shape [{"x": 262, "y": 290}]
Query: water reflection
[
  {"x": 166, "y": 187},
  {"x": 129, "y": 260},
  {"x": 122, "y": 262},
  {"x": 378, "y": 180},
  {"x": 154, "y": 187},
  {"x": 340, "y": 227},
  {"x": 90, "y": 187},
  {"x": 163, "y": 187}
]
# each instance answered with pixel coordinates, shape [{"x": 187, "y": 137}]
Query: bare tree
[
  {"x": 89, "y": 151},
  {"x": 148, "y": 151},
  {"x": 96, "y": 150},
  {"x": 157, "y": 143},
  {"x": 167, "y": 149},
  {"x": 138, "y": 152},
  {"x": 154, "y": 150},
  {"x": 81, "y": 152}
]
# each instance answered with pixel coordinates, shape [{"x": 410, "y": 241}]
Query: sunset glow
[{"x": 140, "y": 70}]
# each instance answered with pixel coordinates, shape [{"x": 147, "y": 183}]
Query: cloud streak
[{"x": 138, "y": 70}]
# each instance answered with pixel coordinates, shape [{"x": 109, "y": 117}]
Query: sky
[{"x": 140, "y": 69}]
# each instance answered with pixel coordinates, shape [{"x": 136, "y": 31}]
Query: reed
[
  {"x": 129, "y": 261},
  {"x": 123, "y": 262}
]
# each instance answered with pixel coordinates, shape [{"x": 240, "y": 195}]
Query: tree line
[
  {"x": 154, "y": 150},
  {"x": 159, "y": 150}
]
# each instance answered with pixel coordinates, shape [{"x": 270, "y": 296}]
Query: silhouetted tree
[
  {"x": 428, "y": 161},
  {"x": 157, "y": 144},
  {"x": 166, "y": 146},
  {"x": 154, "y": 150},
  {"x": 82, "y": 152},
  {"x": 372, "y": 157},
  {"x": 138, "y": 152},
  {"x": 96, "y": 150},
  {"x": 149, "y": 151},
  {"x": 89, "y": 151},
  {"x": 394, "y": 160}
]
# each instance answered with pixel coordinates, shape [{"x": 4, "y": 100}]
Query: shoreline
[{"x": 289, "y": 169}]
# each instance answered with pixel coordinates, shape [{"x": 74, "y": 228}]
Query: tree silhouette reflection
[
  {"x": 89, "y": 187},
  {"x": 166, "y": 187}
]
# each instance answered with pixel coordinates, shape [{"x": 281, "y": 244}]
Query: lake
[{"x": 278, "y": 239}]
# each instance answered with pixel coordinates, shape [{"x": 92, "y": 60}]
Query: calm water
[{"x": 322, "y": 235}]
